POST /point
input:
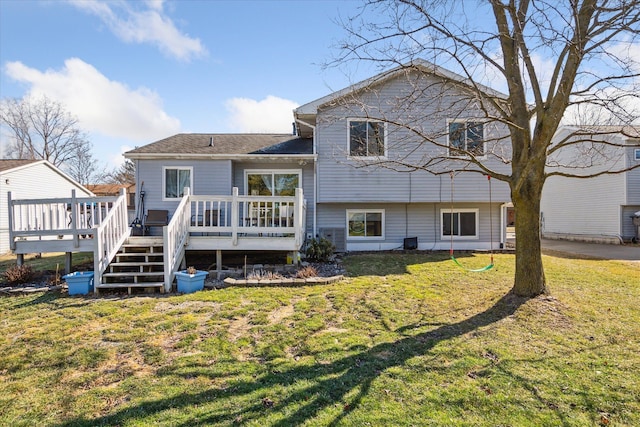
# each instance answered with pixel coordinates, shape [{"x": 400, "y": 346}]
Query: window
[
  {"x": 365, "y": 224},
  {"x": 366, "y": 138},
  {"x": 272, "y": 183},
  {"x": 466, "y": 136},
  {"x": 637, "y": 154},
  {"x": 175, "y": 180},
  {"x": 459, "y": 223}
]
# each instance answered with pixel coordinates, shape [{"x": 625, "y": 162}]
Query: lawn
[{"x": 404, "y": 340}]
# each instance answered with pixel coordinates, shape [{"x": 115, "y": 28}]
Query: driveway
[{"x": 629, "y": 252}]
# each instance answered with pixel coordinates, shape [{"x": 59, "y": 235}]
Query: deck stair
[{"x": 138, "y": 264}]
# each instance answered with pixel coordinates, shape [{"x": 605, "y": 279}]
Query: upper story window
[
  {"x": 175, "y": 179},
  {"x": 466, "y": 135},
  {"x": 637, "y": 154},
  {"x": 273, "y": 183},
  {"x": 367, "y": 138}
]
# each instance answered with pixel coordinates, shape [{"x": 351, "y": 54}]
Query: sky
[{"x": 136, "y": 72}]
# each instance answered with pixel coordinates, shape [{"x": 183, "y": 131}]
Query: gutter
[{"x": 196, "y": 156}]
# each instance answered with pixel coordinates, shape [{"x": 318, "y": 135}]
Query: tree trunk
[{"x": 529, "y": 278}]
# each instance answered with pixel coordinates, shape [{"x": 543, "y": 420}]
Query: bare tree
[
  {"x": 83, "y": 167},
  {"x": 41, "y": 129},
  {"x": 550, "y": 55},
  {"x": 124, "y": 174}
]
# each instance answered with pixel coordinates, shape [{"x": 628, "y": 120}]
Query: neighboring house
[
  {"x": 31, "y": 179},
  {"x": 357, "y": 206},
  {"x": 114, "y": 190},
  {"x": 598, "y": 208}
]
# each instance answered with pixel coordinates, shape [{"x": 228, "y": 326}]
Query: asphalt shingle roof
[
  {"x": 198, "y": 143},
  {"x": 6, "y": 164}
]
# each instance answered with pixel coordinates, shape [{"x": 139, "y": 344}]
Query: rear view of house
[{"x": 396, "y": 161}]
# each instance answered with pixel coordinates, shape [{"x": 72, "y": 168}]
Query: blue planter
[
  {"x": 79, "y": 282},
  {"x": 188, "y": 283}
]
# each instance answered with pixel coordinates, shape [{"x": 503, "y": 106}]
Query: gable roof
[
  {"x": 7, "y": 164},
  {"x": 12, "y": 165},
  {"x": 228, "y": 146},
  {"x": 311, "y": 108}
]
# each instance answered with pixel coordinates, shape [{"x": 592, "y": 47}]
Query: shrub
[
  {"x": 264, "y": 275},
  {"x": 19, "y": 274},
  {"x": 306, "y": 272},
  {"x": 319, "y": 250}
]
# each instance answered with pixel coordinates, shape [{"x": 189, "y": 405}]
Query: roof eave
[{"x": 187, "y": 156}]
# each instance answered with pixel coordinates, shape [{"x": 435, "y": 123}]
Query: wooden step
[
  {"x": 130, "y": 286},
  {"x": 134, "y": 274},
  {"x": 137, "y": 264}
]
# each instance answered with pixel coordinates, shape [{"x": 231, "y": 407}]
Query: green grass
[{"x": 405, "y": 340}]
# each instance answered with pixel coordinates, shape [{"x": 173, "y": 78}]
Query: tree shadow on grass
[{"x": 346, "y": 379}]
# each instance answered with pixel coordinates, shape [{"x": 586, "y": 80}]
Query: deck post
[
  {"x": 12, "y": 239},
  {"x": 218, "y": 264},
  {"x": 74, "y": 217},
  {"x": 235, "y": 215},
  {"x": 68, "y": 257},
  {"x": 20, "y": 260},
  {"x": 298, "y": 219}
]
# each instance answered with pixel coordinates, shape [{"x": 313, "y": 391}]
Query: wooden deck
[{"x": 100, "y": 225}]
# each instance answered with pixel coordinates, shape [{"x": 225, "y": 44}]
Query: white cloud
[
  {"x": 101, "y": 105},
  {"x": 147, "y": 25},
  {"x": 271, "y": 115},
  {"x": 118, "y": 159}
]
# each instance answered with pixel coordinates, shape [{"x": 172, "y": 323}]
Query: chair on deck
[{"x": 156, "y": 218}]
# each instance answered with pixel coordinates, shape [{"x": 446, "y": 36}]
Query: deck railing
[
  {"x": 57, "y": 218},
  {"x": 110, "y": 235},
  {"x": 249, "y": 216},
  {"x": 175, "y": 237}
]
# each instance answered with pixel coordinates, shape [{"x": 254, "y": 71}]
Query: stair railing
[
  {"x": 175, "y": 237},
  {"x": 110, "y": 235}
]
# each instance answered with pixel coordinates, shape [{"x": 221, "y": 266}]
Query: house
[
  {"x": 369, "y": 197},
  {"x": 599, "y": 208},
  {"x": 31, "y": 179},
  {"x": 359, "y": 206},
  {"x": 348, "y": 173}
]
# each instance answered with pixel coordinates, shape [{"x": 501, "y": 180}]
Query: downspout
[{"x": 315, "y": 176}]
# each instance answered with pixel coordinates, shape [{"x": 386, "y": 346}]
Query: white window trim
[
  {"x": 448, "y": 211},
  {"x": 636, "y": 154},
  {"x": 164, "y": 181},
  {"x": 484, "y": 138},
  {"x": 386, "y": 144},
  {"x": 248, "y": 172},
  {"x": 366, "y": 211}
]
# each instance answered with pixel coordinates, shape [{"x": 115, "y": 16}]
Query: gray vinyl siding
[
  {"x": 633, "y": 179},
  {"x": 210, "y": 177},
  {"x": 307, "y": 181},
  {"x": 341, "y": 179},
  {"x": 628, "y": 228},
  {"x": 582, "y": 207},
  {"x": 421, "y": 220}
]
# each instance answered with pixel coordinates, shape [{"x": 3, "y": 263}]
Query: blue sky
[{"x": 136, "y": 72}]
